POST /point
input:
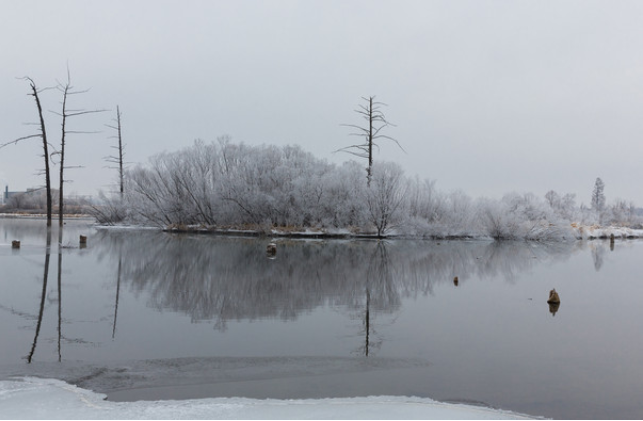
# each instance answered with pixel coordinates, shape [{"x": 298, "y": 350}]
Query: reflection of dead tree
[
  {"x": 42, "y": 299},
  {"x": 380, "y": 294},
  {"x": 60, "y": 271},
  {"x": 118, "y": 289}
]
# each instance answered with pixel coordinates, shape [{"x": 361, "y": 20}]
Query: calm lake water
[{"x": 141, "y": 314}]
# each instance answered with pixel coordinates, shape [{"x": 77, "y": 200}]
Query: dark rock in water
[
  {"x": 455, "y": 281},
  {"x": 271, "y": 249},
  {"x": 15, "y": 244}
]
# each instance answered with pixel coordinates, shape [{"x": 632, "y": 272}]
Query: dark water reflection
[
  {"x": 221, "y": 279},
  {"x": 474, "y": 312}
]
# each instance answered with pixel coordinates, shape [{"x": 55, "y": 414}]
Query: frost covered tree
[
  {"x": 564, "y": 207},
  {"x": 598, "y": 199},
  {"x": 386, "y": 196},
  {"x": 598, "y": 195}
]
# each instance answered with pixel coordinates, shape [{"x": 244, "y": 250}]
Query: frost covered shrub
[
  {"x": 386, "y": 197},
  {"x": 109, "y": 211},
  {"x": 523, "y": 217}
]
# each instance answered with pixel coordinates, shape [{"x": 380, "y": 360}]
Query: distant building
[{"x": 6, "y": 195}]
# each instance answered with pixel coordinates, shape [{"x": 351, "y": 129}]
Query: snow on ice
[{"x": 37, "y": 398}]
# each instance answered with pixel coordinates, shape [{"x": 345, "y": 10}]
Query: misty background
[{"x": 489, "y": 97}]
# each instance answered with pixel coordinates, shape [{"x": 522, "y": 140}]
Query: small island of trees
[{"x": 225, "y": 186}]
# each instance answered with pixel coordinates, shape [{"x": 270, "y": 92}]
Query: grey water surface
[{"x": 142, "y": 314}]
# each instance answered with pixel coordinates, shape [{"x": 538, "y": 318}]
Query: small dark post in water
[
  {"x": 455, "y": 281},
  {"x": 83, "y": 240},
  {"x": 611, "y": 242},
  {"x": 15, "y": 244},
  {"x": 553, "y": 301},
  {"x": 553, "y": 297},
  {"x": 271, "y": 250}
]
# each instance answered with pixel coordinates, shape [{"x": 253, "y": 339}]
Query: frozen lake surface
[{"x": 150, "y": 315}]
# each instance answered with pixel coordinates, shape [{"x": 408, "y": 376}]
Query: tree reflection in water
[
  {"x": 222, "y": 279},
  {"x": 225, "y": 278},
  {"x": 60, "y": 271},
  {"x": 381, "y": 296},
  {"x": 43, "y": 295}
]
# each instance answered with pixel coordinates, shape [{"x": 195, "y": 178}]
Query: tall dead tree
[
  {"x": 45, "y": 145},
  {"x": 372, "y": 113},
  {"x": 118, "y": 159},
  {"x": 67, "y": 90}
]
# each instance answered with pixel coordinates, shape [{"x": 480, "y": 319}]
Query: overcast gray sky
[{"x": 489, "y": 97}]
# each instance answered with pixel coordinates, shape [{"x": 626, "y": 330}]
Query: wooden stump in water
[
  {"x": 271, "y": 250},
  {"x": 553, "y": 301},
  {"x": 83, "y": 239},
  {"x": 553, "y": 297},
  {"x": 455, "y": 281},
  {"x": 15, "y": 244}
]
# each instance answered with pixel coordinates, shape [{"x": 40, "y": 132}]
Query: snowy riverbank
[{"x": 36, "y": 398}]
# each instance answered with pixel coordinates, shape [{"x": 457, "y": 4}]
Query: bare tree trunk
[
  {"x": 62, "y": 155},
  {"x": 369, "y": 171},
  {"x": 372, "y": 112},
  {"x": 120, "y": 150},
  {"x": 67, "y": 90},
  {"x": 45, "y": 145},
  {"x": 118, "y": 159}
]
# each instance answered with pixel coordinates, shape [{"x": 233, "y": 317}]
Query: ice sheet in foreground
[{"x": 36, "y": 398}]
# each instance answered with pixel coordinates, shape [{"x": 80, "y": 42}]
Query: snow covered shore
[{"x": 36, "y": 398}]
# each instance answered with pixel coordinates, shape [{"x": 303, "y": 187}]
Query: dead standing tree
[
  {"x": 45, "y": 145},
  {"x": 67, "y": 90},
  {"x": 118, "y": 159},
  {"x": 372, "y": 113}
]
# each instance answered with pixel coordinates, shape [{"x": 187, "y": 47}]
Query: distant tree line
[
  {"x": 228, "y": 185},
  {"x": 35, "y": 201}
]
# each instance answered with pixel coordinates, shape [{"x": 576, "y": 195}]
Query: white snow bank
[
  {"x": 590, "y": 232},
  {"x": 35, "y": 398}
]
